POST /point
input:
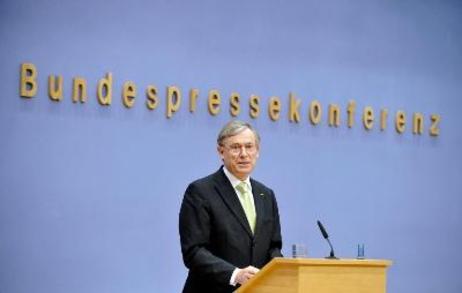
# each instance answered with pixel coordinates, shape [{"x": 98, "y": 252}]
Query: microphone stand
[{"x": 332, "y": 254}]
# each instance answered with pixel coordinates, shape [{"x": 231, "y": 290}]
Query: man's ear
[{"x": 220, "y": 151}]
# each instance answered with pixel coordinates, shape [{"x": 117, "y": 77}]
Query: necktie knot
[{"x": 242, "y": 188}]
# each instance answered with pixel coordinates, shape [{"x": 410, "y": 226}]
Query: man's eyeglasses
[{"x": 236, "y": 149}]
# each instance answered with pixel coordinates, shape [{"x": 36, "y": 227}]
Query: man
[{"x": 229, "y": 222}]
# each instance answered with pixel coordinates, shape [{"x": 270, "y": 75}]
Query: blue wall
[{"x": 89, "y": 195}]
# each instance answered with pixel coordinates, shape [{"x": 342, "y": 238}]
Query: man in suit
[{"x": 229, "y": 222}]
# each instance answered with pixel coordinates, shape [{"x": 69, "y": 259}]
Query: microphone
[{"x": 326, "y": 236}]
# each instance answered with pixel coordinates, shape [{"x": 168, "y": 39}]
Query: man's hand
[{"x": 246, "y": 274}]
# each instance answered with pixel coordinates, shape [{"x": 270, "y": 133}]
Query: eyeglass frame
[{"x": 236, "y": 148}]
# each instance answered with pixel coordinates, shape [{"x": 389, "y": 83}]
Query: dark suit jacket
[{"x": 216, "y": 236}]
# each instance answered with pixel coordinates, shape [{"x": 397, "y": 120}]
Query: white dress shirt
[{"x": 235, "y": 182}]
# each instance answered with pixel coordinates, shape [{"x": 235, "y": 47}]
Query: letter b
[{"x": 28, "y": 80}]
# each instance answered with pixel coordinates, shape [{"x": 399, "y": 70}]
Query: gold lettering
[
  {"x": 193, "y": 95},
  {"x": 28, "y": 87},
  {"x": 351, "y": 112},
  {"x": 334, "y": 115},
  {"x": 368, "y": 117},
  {"x": 383, "y": 119},
  {"x": 152, "y": 101},
  {"x": 254, "y": 104},
  {"x": 55, "y": 91},
  {"x": 129, "y": 94},
  {"x": 315, "y": 112},
  {"x": 79, "y": 90},
  {"x": 400, "y": 121},
  {"x": 274, "y": 108},
  {"x": 105, "y": 90},
  {"x": 434, "y": 130},
  {"x": 235, "y": 108},
  {"x": 214, "y": 102},
  {"x": 173, "y": 100},
  {"x": 294, "y": 114},
  {"x": 417, "y": 123}
]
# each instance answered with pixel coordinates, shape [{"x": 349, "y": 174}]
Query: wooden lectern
[{"x": 306, "y": 275}]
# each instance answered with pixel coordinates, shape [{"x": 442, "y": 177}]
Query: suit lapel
[
  {"x": 229, "y": 196},
  {"x": 258, "y": 199}
]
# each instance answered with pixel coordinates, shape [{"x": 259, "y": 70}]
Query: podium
[{"x": 297, "y": 275}]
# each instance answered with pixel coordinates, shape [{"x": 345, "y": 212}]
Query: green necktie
[{"x": 246, "y": 201}]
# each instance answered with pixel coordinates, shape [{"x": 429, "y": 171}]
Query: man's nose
[{"x": 243, "y": 151}]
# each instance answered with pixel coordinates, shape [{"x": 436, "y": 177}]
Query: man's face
[{"x": 240, "y": 153}]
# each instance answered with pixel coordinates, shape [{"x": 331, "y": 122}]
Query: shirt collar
[{"x": 234, "y": 180}]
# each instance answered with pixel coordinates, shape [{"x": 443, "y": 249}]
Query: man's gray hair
[{"x": 235, "y": 127}]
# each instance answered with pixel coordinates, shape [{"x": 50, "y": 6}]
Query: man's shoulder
[
  {"x": 216, "y": 177},
  {"x": 205, "y": 188}
]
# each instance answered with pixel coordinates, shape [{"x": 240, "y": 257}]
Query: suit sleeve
[
  {"x": 276, "y": 239},
  {"x": 195, "y": 227}
]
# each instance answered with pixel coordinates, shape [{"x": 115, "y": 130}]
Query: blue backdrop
[{"x": 89, "y": 195}]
